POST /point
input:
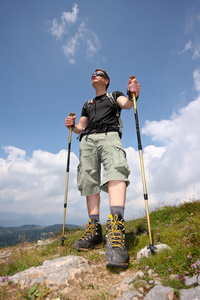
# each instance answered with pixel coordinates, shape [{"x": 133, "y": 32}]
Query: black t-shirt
[{"x": 101, "y": 111}]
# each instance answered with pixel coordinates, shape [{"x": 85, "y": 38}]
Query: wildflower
[
  {"x": 195, "y": 267},
  {"x": 184, "y": 228},
  {"x": 182, "y": 277},
  {"x": 177, "y": 277},
  {"x": 189, "y": 256},
  {"x": 158, "y": 233},
  {"x": 170, "y": 257},
  {"x": 147, "y": 268},
  {"x": 186, "y": 272},
  {"x": 169, "y": 269},
  {"x": 4, "y": 278},
  {"x": 167, "y": 224}
]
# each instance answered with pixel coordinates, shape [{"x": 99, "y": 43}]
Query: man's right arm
[{"x": 70, "y": 121}]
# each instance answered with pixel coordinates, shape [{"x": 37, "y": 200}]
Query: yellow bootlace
[
  {"x": 115, "y": 234},
  {"x": 90, "y": 231}
]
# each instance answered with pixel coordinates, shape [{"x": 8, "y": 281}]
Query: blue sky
[{"x": 48, "y": 51}]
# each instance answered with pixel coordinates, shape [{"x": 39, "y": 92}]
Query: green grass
[
  {"x": 176, "y": 226},
  {"x": 179, "y": 228}
]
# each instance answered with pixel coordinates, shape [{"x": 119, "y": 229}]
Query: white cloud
[
  {"x": 71, "y": 17},
  {"x": 196, "y": 53},
  {"x": 36, "y": 184},
  {"x": 192, "y": 30},
  {"x": 196, "y": 76},
  {"x": 59, "y": 29},
  {"x": 177, "y": 172},
  {"x": 192, "y": 21},
  {"x": 82, "y": 38},
  {"x": 71, "y": 47},
  {"x": 194, "y": 47},
  {"x": 188, "y": 46}
]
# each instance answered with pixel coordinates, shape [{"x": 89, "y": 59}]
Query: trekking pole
[
  {"x": 151, "y": 247},
  {"x": 63, "y": 238}
]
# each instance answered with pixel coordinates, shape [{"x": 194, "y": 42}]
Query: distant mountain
[
  {"x": 11, "y": 219},
  {"x": 10, "y": 236}
]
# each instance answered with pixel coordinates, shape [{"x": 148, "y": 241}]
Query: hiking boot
[
  {"x": 92, "y": 238},
  {"x": 116, "y": 252}
]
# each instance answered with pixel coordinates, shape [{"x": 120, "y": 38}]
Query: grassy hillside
[{"x": 178, "y": 227}]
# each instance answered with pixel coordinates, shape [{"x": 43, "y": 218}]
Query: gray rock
[
  {"x": 191, "y": 281},
  {"x": 129, "y": 295},
  {"x": 160, "y": 292},
  {"x": 54, "y": 272},
  {"x": 145, "y": 252},
  {"x": 190, "y": 294},
  {"x": 155, "y": 282},
  {"x": 129, "y": 280}
]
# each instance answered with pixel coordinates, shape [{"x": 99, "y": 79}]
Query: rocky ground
[{"x": 73, "y": 277}]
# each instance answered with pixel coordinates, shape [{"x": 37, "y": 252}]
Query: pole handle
[
  {"x": 71, "y": 115},
  {"x": 132, "y": 77}
]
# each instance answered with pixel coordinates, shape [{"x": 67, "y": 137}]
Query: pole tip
[
  {"x": 152, "y": 248},
  {"x": 63, "y": 238}
]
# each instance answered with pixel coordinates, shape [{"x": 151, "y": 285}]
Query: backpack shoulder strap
[
  {"x": 113, "y": 100},
  {"x": 88, "y": 103}
]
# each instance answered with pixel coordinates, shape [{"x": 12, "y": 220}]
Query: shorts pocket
[
  {"x": 120, "y": 161},
  {"x": 79, "y": 173}
]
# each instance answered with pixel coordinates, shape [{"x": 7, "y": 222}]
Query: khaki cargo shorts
[{"x": 96, "y": 150}]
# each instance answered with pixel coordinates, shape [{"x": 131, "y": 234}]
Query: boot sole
[
  {"x": 116, "y": 264},
  {"x": 94, "y": 247}
]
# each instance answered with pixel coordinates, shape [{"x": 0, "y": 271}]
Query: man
[{"x": 100, "y": 144}]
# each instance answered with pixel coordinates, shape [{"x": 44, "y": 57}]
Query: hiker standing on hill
[{"x": 100, "y": 131}]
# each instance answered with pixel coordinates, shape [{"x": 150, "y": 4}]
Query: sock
[
  {"x": 117, "y": 210},
  {"x": 94, "y": 218}
]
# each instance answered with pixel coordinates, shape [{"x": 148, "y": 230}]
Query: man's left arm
[{"x": 133, "y": 86}]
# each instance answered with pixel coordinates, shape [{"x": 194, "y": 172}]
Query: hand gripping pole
[
  {"x": 63, "y": 238},
  {"x": 151, "y": 247}
]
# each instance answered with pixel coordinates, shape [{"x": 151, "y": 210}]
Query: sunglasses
[{"x": 99, "y": 74}]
